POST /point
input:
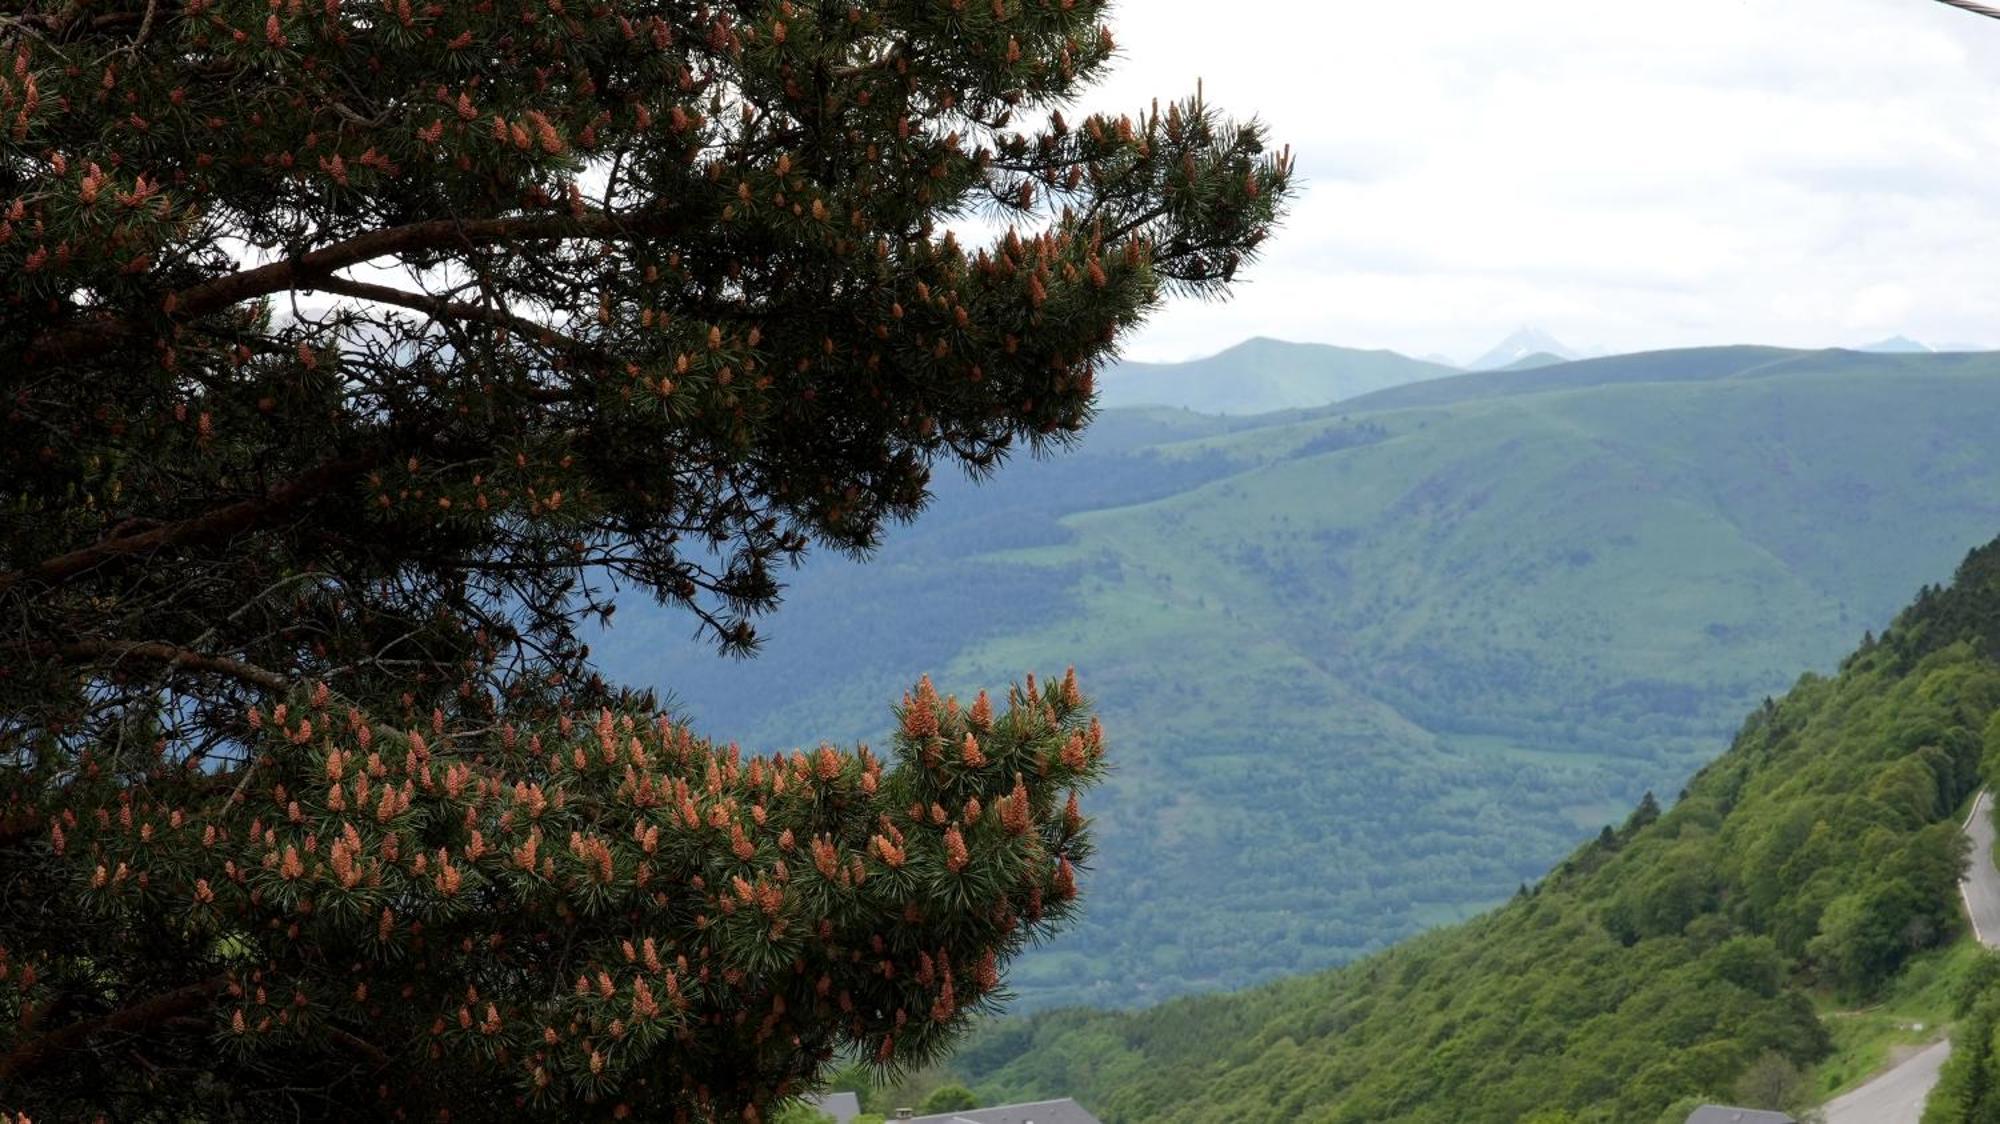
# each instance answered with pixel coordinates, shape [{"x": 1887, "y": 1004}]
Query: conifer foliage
[{"x": 353, "y": 355}]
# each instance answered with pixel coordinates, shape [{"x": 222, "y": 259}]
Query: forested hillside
[
  {"x": 1367, "y": 669},
  {"x": 1649, "y": 970}
]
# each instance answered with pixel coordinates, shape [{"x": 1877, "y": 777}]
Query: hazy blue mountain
[
  {"x": 1368, "y": 667},
  {"x": 1531, "y": 362},
  {"x": 1522, "y": 344},
  {"x": 1694, "y": 364},
  {"x": 1896, "y": 345},
  {"x": 1261, "y": 376}
]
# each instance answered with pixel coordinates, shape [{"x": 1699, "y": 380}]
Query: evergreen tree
[
  {"x": 352, "y": 356},
  {"x": 1647, "y": 811}
]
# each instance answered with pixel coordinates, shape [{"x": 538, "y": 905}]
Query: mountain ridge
[
  {"x": 1264, "y": 375},
  {"x": 1521, "y": 344},
  {"x": 1473, "y": 627},
  {"x": 1261, "y": 375},
  {"x": 1533, "y": 361}
]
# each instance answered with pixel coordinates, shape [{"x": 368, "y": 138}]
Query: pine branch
[
  {"x": 1976, "y": 9},
  {"x": 360, "y": 1046},
  {"x": 442, "y": 309},
  {"x": 98, "y": 335},
  {"x": 170, "y": 654},
  {"x": 217, "y": 524},
  {"x": 39, "y": 1051}
]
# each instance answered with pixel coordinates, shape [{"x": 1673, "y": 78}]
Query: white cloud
[{"x": 1782, "y": 171}]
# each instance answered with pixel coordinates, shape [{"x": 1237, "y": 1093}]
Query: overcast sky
[{"x": 1622, "y": 175}]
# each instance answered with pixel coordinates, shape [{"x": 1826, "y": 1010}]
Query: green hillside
[
  {"x": 1262, "y": 376},
  {"x": 1692, "y": 364},
  {"x": 1367, "y": 671},
  {"x": 1807, "y": 867},
  {"x": 1531, "y": 362}
]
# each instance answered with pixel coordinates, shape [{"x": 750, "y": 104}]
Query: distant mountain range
[
  {"x": 1264, "y": 376},
  {"x": 1261, "y": 376},
  {"x": 1369, "y": 666},
  {"x": 1533, "y": 361},
  {"x": 1897, "y": 345},
  {"x": 1527, "y": 345},
  {"x": 1905, "y": 345}
]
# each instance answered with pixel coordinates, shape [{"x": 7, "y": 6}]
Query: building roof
[
  {"x": 1064, "y": 1111},
  {"x": 1723, "y": 1114},
  {"x": 843, "y": 1107}
]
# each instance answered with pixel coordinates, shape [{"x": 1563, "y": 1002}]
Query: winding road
[
  {"x": 1981, "y": 888},
  {"x": 1897, "y": 1095}
]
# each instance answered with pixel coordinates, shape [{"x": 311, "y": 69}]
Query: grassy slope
[
  {"x": 1914, "y": 1011},
  {"x": 1367, "y": 672},
  {"x": 1261, "y": 376},
  {"x": 1644, "y": 974}
]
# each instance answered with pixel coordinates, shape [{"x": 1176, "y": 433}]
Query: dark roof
[
  {"x": 1723, "y": 1114},
  {"x": 843, "y": 1107},
  {"x": 1064, "y": 1111}
]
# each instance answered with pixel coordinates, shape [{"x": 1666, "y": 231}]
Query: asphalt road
[
  {"x": 1897, "y": 1096},
  {"x": 1982, "y": 883}
]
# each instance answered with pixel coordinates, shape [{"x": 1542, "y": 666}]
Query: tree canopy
[{"x": 353, "y": 356}]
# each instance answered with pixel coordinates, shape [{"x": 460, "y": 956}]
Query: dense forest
[
  {"x": 1653, "y": 968},
  {"x": 1480, "y": 617}
]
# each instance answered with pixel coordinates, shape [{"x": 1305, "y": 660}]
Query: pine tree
[
  {"x": 353, "y": 356},
  {"x": 1647, "y": 810}
]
